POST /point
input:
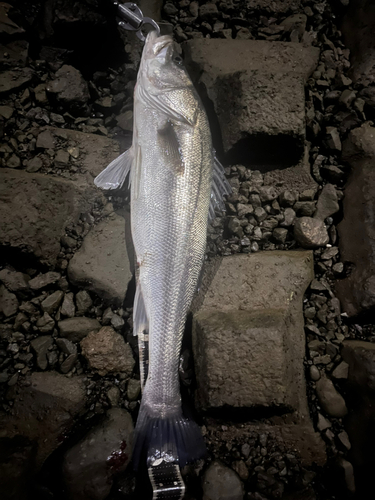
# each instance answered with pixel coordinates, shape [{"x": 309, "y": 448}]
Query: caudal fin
[{"x": 173, "y": 439}]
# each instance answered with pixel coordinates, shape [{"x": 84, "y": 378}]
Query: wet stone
[{"x": 40, "y": 346}]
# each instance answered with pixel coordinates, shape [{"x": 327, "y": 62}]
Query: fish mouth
[{"x": 160, "y": 43}]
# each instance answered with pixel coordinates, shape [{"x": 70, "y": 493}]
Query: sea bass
[{"x": 176, "y": 184}]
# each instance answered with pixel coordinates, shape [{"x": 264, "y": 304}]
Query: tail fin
[{"x": 173, "y": 439}]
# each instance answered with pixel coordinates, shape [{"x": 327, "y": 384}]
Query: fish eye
[{"x": 177, "y": 59}]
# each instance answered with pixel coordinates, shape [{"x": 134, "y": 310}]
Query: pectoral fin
[
  {"x": 171, "y": 149},
  {"x": 113, "y": 177}
]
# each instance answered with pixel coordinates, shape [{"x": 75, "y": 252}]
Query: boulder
[
  {"x": 35, "y": 209},
  {"x": 310, "y": 233},
  {"x": 356, "y": 230},
  {"x": 89, "y": 467},
  {"x": 44, "y": 412},
  {"x": 237, "y": 78},
  {"x": 102, "y": 264},
  {"x": 221, "y": 482},
  {"x": 70, "y": 88}
]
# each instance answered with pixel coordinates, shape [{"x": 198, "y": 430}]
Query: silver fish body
[{"x": 172, "y": 167}]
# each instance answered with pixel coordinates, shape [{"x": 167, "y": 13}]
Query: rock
[
  {"x": 44, "y": 412},
  {"x": 314, "y": 373},
  {"x": 102, "y": 264},
  {"x": 208, "y": 11},
  {"x": 287, "y": 199},
  {"x": 40, "y": 346},
  {"x": 125, "y": 120},
  {"x": 34, "y": 164},
  {"x": 14, "y": 281},
  {"x": 358, "y": 30},
  {"x": 66, "y": 346},
  {"x": 235, "y": 327},
  {"x": 310, "y": 233},
  {"x": 68, "y": 363},
  {"x": 357, "y": 292},
  {"x": 107, "y": 352},
  {"x": 45, "y": 140},
  {"x": 62, "y": 159},
  {"x": 332, "y": 139},
  {"x": 68, "y": 308},
  {"x": 90, "y": 466},
  {"x": 280, "y": 234},
  {"x": 347, "y": 468},
  {"x": 8, "y": 302},
  {"x": 14, "y": 80},
  {"x": 14, "y": 162},
  {"x": 7, "y": 26},
  {"x": 70, "y": 88},
  {"x": 220, "y": 482},
  {"x": 75, "y": 329},
  {"x": 113, "y": 395},
  {"x": 133, "y": 389},
  {"x": 6, "y": 112},
  {"x": 52, "y": 302},
  {"x": 45, "y": 324},
  {"x": 83, "y": 302},
  {"x": 332, "y": 402},
  {"x": 43, "y": 280},
  {"x": 35, "y": 209},
  {"x": 304, "y": 208},
  {"x": 327, "y": 203},
  {"x": 341, "y": 371},
  {"x": 323, "y": 423},
  {"x": 237, "y": 76}
]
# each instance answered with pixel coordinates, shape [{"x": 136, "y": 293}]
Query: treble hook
[{"x": 133, "y": 19}]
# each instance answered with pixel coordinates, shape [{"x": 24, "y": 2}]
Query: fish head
[{"x": 162, "y": 66}]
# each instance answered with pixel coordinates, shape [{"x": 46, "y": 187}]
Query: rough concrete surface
[
  {"x": 28, "y": 205},
  {"x": 253, "y": 302},
  {"x": 102, "y": 263},
  {"x": 356, "y": 230}
]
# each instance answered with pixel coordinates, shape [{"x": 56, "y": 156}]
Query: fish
[{"x": 176, "y": 186}]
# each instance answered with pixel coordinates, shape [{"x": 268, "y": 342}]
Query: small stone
[
  {"x": 221, "y": 482},
  {"x": 34, "y": 164},
  {"x": 341, "y": 371},
  {"x": 107, "y": 352},
  {"x": 7, "y": 111},
  {"x": 314, "y": 373},
  {"x": 194, "y": 9},
  {"x": 347, "y": 97},
  {"x": 52, "y": 302},
  {"x": 327, "y": 203},
  {"x": 344, "y": 439},
  {"x": 333, "y": 140},
  {"x": 260, "y": 214},
  {"x": 45, "y": 324},
  {"x": 83, "y": 302},
  {"x": 331, "y": 401},
  {"x": 304, "y": 208},
  {"x": 310, "y": 233},
  {"x": 208, "y": 11},
  {"x": 279, "y": 234},
  {"x": 75, "y": 329},
  {"x": 68, "y": 363},
  {"x": 287, "y": 199},
  {"x": 330, "y": 253},
  {"x": 68, "y": 308},
  {"x": 349, "y": 474},
  {"x": 66, "y": 346},
  {"x": 134, "y": 389},
  {"x": 125, "y": 120},
  {"x": 14, "y": 281},
  {"x": 14, "y": 162},
  {"x": 243, "y": 210},
  {"x": 267, "y": 193},
  {"x": 170, "y": 9},
  {"x": 113, "y": 395},
  {"x": 43, "y": 280},
  {"x": 45, "y": 140},
  {"x": 40, "y": 346},
  {"x": 8, "y": 302},
  {"x": 245, "y": 450},
  {"x": 117, "y": 322},
  {"x": 61, "y": 159},
  {"x": 289, "y": 216},
  {"x": 107, "y": 316},
  {"x": 323, "y": 423},
  {"x": 240, "y": 467}
]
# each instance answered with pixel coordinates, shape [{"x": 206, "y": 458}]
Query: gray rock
[
  {"x": 314, "y": 373},
  {"x": 113, "y": 395},
  {"x": 289, "y": 216},
  {"x": 13, "y": 162},
  {"x": 323, "y": 423},
  {"x": 221, "y": 483},
  {"x": 7, "y": 26},
  {"x": 26, "y": 219},
  {"x": 8, "y": 302},
  {"x": 14, "y": 80},
  {"x": 240, "y": 74},
  {"x": 331, "y": 401},
  {"x": 117, "y": 322},
  {"x": 107, "y": 352},
  {"x": 62, "y": 159},
  {"x": 83, "y": 302},
  {"x": 348, "y": 470},
  {"x": 52, "y": 302},
  {"x": 102, "y": 264},
  {"x": 40, "y": 346},
  {"x": 75, "y": 329},
  {"x": 341, "y": 371},
  {"x": 90, "y": 466},
  {"x": 304, "y": 208},
  {"x": 133, "y": 389},
  {"x": 68, "y": 308},
  {"x": 69, "y": 87},
  {"x": 45, "y": 140},
  {"x": 287, "y": 199},
  {"x": 310, "y": 233},
  {"x": 235, "y": 327},
  {"x": 68, "y": 363},
  {"x": 34, "y": 164},
  {"x": 14, "y": 281},
  {"x": 357, "y": 292},
  {"x": 332, "y": 139},
  {"x": 280, "y": 234},
  {"x": 43, "y": 280},
  {"x": 45, "y": 324},
  {"x": 44, "y": 410},
  {"x": 327, "y": 203},
  {"x": 66, "y": 346}
]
